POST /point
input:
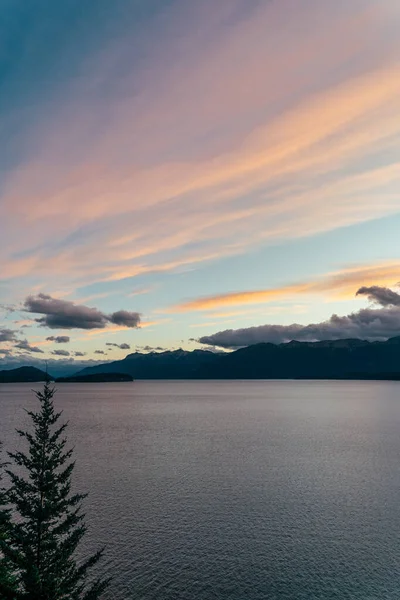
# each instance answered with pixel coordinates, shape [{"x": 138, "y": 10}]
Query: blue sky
[{"x": 204, "y": 166}]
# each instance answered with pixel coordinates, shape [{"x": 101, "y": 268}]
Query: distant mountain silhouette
[
  {"x": 175, "y": 364},
  {"x": 23, "y": 374},
  {"x": 339, "y": 359}
]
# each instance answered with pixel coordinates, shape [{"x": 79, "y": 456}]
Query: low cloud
[
  {"x": 380, "y": 295},
  {"x": 64, "y": 314},
  {"x": 99, "y": 352},
  {"x": 61, "y": 353},
  {"x": 79, "y": 353},
  {"x": 120, "y": 346},
  {"x": 367, "y": 323},
  {"x": 5, "y": 352},
  {"x": 125, "y": 318},
  {"x": 7, "y": 335},
  {"x": 57, "y": 366},
  {"x": 24, "y": 345},
  {"x": 59, "y": 339},
  {"x": 152, "y": 348}
]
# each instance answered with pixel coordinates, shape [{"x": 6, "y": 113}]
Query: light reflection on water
[{"x": 236, "y": 489}]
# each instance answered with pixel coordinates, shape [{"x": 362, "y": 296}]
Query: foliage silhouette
[{"x": 47, "y": 524}]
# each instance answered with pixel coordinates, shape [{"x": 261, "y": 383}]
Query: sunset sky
[{"x": 172, "y": 169}]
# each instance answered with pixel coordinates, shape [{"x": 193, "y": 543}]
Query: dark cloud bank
[
  {"x": 63, "y": 314},
  {"x": 367, "y": 323}
]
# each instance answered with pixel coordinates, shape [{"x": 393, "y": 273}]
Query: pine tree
[
  {"x": 49, "y": 523},
  {"x": 7, "y": 579}
]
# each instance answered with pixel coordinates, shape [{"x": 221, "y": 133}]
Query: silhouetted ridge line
[
  {"x": 24, "y": 374},
  {"x": 338, "y": 359}
]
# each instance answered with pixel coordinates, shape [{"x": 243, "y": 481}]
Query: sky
[{"x": 196, "y": 174}]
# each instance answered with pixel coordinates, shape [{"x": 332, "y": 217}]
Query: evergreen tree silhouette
[
  {"x": 7, "y": 578},
  {"x": 48, "y": 523}
]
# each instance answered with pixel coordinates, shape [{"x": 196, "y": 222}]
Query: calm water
[{"x": 239, "y": 490}]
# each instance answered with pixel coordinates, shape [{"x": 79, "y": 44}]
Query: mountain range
[
  {"x": 23, "y": 374},
  {"x": 338, "y": 359}
]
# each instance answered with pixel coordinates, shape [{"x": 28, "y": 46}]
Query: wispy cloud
[
  {"x": 299, "y": 135},
  {"x": 340, "y": 284},
  {"x": 141, "y": 291},
  {"x": 209, "y": 324},
  {"x": 118, "y": 328}
]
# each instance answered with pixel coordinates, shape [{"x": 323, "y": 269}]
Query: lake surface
[{"x": 245, "y": 490}]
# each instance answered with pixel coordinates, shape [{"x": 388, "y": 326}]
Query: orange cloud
[
  {"x": 343, "y": 284},
  {"x": 280, "y": 146},
  {"x": 249, "y": 313},
  {"x": 338, "y": 285},
  {"x": 237, "y": 299},
  {"x": 210, "y": 324},
  {"x": 116, "y": 328},
  {"x": 100, "y": 332}
]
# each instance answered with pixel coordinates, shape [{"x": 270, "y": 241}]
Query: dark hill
[
  {"x": 23, "y": 374},
  {"x": 338, "y": 359},
  {"x": 177, "y": 364}
]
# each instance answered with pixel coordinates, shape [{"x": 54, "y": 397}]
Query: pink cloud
[{"x": 266, "y": 132}]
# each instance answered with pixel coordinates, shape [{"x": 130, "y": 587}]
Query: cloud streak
[
  {"x": 132, "y": 182},
  {"x": 339, "y": 284}
]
